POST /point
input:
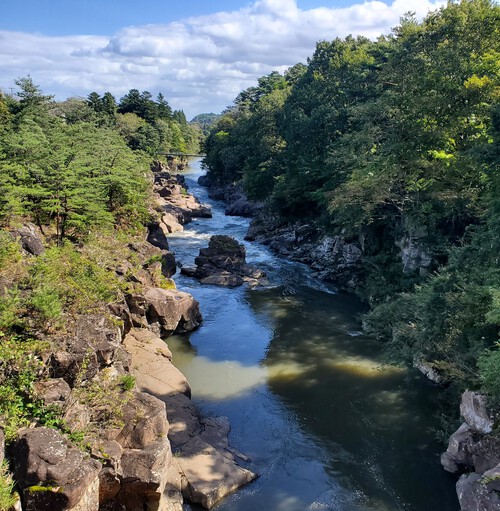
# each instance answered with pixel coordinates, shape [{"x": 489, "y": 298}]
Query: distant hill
[{"x": 205, "y": 121}]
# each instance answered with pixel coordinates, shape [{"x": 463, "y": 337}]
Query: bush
[
  {"x": 21, "y": 366},
  {"x": 7, "y": 497},
  {"x": 64, "y": 279},
  {"x": 489, "y": 373}
]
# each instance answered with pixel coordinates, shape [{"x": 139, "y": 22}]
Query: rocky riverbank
[{"x": 129, "y": 437}]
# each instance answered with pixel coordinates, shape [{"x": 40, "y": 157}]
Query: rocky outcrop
[
  {"x": 30, "y": 238},
  {"x": 94, "y": 342},
  {"x": 54, "y": 476},
  {"x": 164, "y": 311},
  {"x": 176, "y": 205},
  {"x": 205, "y": 466},
  {"x": 473, "y": 410},
  {"x": 223, "y": 263},
  {"x": 474, "y": 453},
  {"x": 333, "y": 257},
  {"x": 431, "y": 371},
  {"x": 237, "y": 202},
  {"x": 415, "y": 255}
]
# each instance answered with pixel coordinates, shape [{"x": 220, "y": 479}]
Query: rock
[
  {"x": 109, "y": 485},
  {"x": 491, "y": 479},
  {"x": 145, "y": 421},
  {"x": 223, "y": 263},
  {"x": 122, "y": 312},
  {"x": 76, "y": 417},
  {"x": 178, "y": 206},
  {"x": 241, "y": 206},
  {"x": 52, "y": 475},
  {"x": 156, "y": 236},
  {"x": 486, "y": 453},
  {"x": 30, "y": 239},
  {"x": 146, "y": 453},
  {"x": 458, "y": 455},
  {"x": 475, "y": 496},
  {"x": 98, "y": 333},
  {"x": 94, "y": 343},
  {"x": 164, "y": 311},
  {"x": 53, "y": 390},
  {"x": 414, "y": 254},
  {"x": 429, "y": 370},
  {"x": 209, "y": 476},
  {"x": 223, "y": 279},
  {"x": 184, "y": 420},
  {"x": 172, "y": 499},
  {"x": 153, "y": 369},
  {"x": 172, "y": 310},
  {"x": 169, "y": 224},
  {"x": 473, "y": 410}
]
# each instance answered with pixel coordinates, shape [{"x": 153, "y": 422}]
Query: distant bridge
[{"x": 182, "y": 154}]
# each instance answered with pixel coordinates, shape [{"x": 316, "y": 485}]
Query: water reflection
[{"x": 326, "y": 424}]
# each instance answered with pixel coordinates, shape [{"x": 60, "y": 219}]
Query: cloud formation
[{"x": 199, "y": 63}]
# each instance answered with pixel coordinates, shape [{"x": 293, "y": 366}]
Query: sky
[{"x": 199, "y": 53}]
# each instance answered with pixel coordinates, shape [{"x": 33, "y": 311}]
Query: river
[{"x": 325, "y": 424}]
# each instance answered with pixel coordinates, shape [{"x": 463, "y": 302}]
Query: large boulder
[
  {"x": 209, "y": 475},
  {"x": 153, "y": 369},
  {"x": 458, "y": 455},
  {"x": 93, "y": 343},
  {"x": 30, "y": 238},
  {"x": 53, "y": 390},
  {"x": 53, "y": 476},
  {"x": 156, "y": 236},
  {"x": 473, "y": 410},
  {"x": 474, "y": 495},
  {"x": 165, "y": 311},
  {"x": 223, "y": 263}
]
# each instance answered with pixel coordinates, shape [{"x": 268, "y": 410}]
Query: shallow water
[{"x": 326, "y": 424}]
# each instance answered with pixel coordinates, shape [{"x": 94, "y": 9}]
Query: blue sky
[
  {"x": 199, "y": 53},
  {"x": 104, "y": 17}
]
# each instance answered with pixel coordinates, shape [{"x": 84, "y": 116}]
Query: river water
[{"x": 325, "y": 424}]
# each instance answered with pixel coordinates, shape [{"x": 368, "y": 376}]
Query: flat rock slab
[
  {"x": 210, "y": 476},
  {"x": 151, "y": 365}
]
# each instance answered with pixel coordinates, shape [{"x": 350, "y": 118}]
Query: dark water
[{"x": 326, "y": 425}]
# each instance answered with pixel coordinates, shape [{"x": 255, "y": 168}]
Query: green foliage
[
  {"x": 21, "y": 366},
  {"x": 489, "y": 373},
  {"x": 106, "y": 398},
  {"x": 127, "y": 382},
  {"x": 7, "y": 496},
  {"x": 65, "y": 279}
]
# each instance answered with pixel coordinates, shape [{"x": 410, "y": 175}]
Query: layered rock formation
[
  {"x": 473, "y": 453},
  {"x": 176, "y": 205},
  {"x": 237, "y": 202},
  {"x": 223, "y": 263}
]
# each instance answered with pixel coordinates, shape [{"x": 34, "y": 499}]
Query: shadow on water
[{"x": 325, "y": 423}]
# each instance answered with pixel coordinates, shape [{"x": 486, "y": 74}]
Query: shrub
[
  {"x": 21, "y": 366},
  {"x": 7, "y": 496},
  {"x": 489, "y": 373}
]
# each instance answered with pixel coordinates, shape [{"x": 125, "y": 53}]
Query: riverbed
[{"x": 326, "y": 424}]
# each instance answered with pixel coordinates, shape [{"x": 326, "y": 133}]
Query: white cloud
[{"x": 200, "y": 63}]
